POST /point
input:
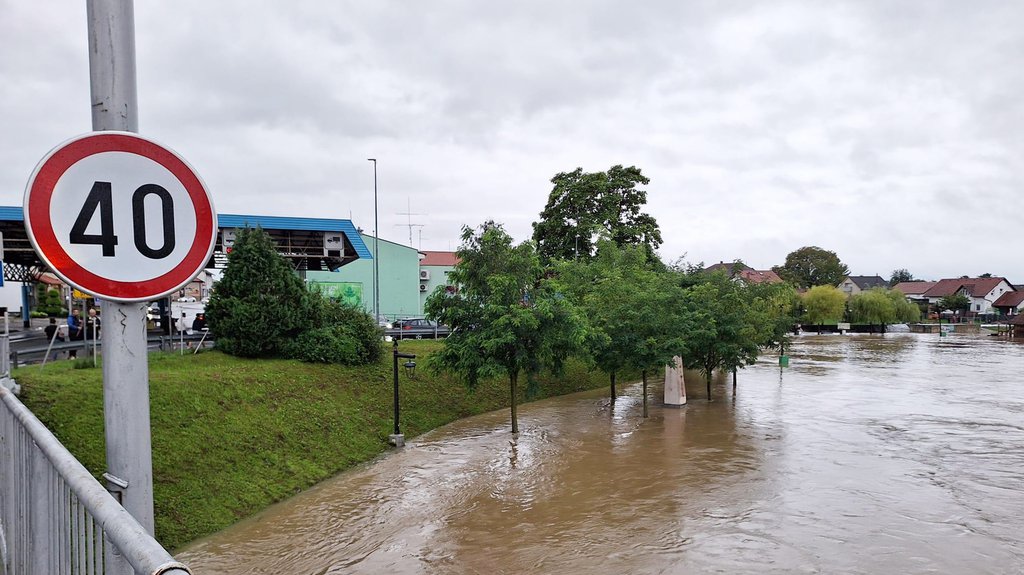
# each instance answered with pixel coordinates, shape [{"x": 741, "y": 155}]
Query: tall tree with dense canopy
[
  {"x": 824, "y": 304},
  {"x": 900, "y": 275},
  {"x": 812, "y": 266},
  {"x": 504, "y": 318},
  {"x": 584, "y": 207}
]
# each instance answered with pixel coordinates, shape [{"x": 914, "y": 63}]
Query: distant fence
[
  {"x": 55, "y": 517},
  {"x": 16, "y": 358}
]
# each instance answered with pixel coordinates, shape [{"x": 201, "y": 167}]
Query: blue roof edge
[
  {"x": 291, "y": 223},
  {"x": 16, "y": 214}
]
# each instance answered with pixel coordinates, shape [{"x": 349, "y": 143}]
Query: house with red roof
[
  {"x": 1010, "y": 303},
  {"x": 982, "y": 292},
  {"x": 914, "y": 291},
  {"x": 741, "y": 271}
]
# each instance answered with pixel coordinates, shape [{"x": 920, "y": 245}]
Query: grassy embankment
[{"x": 231, "y": 436}]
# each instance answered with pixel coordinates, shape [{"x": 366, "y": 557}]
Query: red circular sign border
[{"x": 39, "y": 193}]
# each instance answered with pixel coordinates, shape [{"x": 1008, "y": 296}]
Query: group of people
[{"x": 77, "y": 329}]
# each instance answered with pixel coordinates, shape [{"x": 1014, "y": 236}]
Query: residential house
[
  {"x": 759, "y": 276},
  {"x": 1018, "y": 325},
  {"x": 1010, "y": 303},
  {"x": 914, "y": 291},
  {"x": 981, "y": 292},
  {"x": 730, "y": 269},
  {"x": 853, "y": 285},
  {"x": 434, "y": 270},
  {"x": 738, "y": 270}
]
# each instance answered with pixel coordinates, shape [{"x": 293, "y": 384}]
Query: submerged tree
[
  {"x": 631, "y": 310},
  {"x": 726, "y": 331},
  {"x": 824, "y": 304},
  {"x": 504, "y": 318}
]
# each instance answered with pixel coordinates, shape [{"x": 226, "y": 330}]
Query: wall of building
[
  {"x": 399, "y": 280},
  {"x": 438, "y": 277}
]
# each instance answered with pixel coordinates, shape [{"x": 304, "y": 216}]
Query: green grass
[{"x": 231, "y": 436}]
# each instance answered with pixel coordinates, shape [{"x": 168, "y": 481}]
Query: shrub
[
  {"x": 260, "y": 308},
  {"x": 340, "y": 333},
  {"x": 325, "y": 345}
]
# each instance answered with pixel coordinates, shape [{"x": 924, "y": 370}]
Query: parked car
[{"x": 417, "y": 328}]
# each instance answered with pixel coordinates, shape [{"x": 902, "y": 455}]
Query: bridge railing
[{"x": 55, "y": 517}]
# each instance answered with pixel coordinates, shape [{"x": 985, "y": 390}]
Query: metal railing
[{"x": 55, "y": 518}]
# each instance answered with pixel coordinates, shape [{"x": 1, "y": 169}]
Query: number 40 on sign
[{"x": 119, "y": 216}]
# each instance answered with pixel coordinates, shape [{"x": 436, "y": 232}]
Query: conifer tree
[{"x": 260, "y": 304}]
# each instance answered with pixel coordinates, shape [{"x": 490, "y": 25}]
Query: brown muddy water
[{"x": 869, "y": 454}]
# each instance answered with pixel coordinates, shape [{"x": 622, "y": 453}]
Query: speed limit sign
[{"x": 119, "y": 216}]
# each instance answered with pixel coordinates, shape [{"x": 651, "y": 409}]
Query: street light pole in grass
[
  {"x": 397, "y": 439},
  {"x": 376, "y": 250}
]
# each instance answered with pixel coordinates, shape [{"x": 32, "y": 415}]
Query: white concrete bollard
[{"x": 675, "y": 387}]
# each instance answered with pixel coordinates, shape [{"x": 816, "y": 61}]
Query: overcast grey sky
[{"x": 889, "y": 132}]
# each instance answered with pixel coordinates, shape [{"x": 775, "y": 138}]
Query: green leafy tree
[
  {"x": 259, "y": 304},
  {"x": 812, "y": 266},
  {"x": 630, "y": 309},
  {"x": 905, "y": 310},
  {"x": 724, "y": 331},
  {"x": 872, "y": 307},
  {"x": 781, "y": 305},
  {"x": 955, "y": 302},
  {"x": 900, "y": 275},
  {"x": 584, "y": 207},
  {"x": 824, "y": 304},
  {"x": 505, "y": 319}
]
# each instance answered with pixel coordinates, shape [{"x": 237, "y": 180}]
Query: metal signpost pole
[{"x": 125, "y": 369}]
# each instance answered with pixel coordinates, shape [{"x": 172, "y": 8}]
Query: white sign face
[{"x": 119, "y": 216}]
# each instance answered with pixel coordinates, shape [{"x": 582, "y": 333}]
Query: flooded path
[{"x": 869, "y": 454}]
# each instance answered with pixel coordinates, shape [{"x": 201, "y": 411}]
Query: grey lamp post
[{"x": 376, "y": 251}]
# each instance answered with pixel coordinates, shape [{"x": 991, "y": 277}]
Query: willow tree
[
  {"x": 505, "y": 319},
  {"x": 824, "y": 304}
]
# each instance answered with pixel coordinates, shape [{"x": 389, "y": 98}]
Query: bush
[
  {"x": 260, "y": 308},
  {"x": 38, "y": 314},
  {"x": 325, "y": 345},
  {"x": 339, "y": 333}
]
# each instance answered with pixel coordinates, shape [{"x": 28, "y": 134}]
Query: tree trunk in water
[
  {"x": 643, "y": 376},
  {"x": 819, "y": 329},
  {"x": 734, "y": 381},
  {"x": 707, "y": 378},
  {"x": 512, "y": 390},
  {"x": 612, "y": 376}
]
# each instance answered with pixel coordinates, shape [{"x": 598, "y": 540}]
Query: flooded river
[{"x": 869, "y": 454}]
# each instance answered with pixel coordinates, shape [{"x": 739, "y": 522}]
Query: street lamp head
[{"x": 374, "y": 160}]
